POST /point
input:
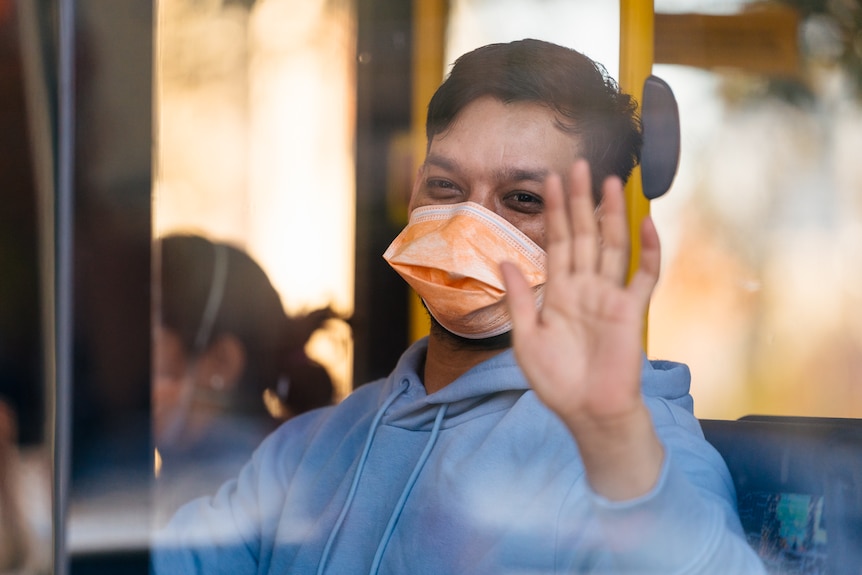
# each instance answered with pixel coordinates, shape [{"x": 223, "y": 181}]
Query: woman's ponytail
[{"x": 303, "y": 383}]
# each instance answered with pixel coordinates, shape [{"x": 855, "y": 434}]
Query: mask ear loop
[{"x": 211, "y": 309}]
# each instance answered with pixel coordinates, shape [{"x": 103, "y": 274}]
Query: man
[{"x": 568, "y": 452}]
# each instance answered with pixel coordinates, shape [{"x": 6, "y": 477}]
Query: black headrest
[{"x": 660, "y": 151}]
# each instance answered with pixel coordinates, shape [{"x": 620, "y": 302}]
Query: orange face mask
[{"x": 451, "y": 254}]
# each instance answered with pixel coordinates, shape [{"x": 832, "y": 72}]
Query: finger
[
  {"x": 613, "y": 227},
  {"x": 559, "y": 236},
  {"x": 583, "y": 218},
  {"x": 645, "y": 278},
  {"x": 519, "y": 299}
]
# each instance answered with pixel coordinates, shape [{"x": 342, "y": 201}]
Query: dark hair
[
  {"x": 587, "y": 101},
  {"x": 250, "y": 309}
]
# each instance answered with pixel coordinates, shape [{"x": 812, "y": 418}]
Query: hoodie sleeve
[{"x": 688, "y": 523}]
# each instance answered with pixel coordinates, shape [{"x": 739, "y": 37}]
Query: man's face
[{"x": 497, "y": 155}]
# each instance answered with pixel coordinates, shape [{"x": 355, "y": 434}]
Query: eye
[
  {"x": 526, "y": 198},
  {"x": 441, "y": 188},
  {"x": 525, "y": 202},
  {"x": 438, "y": 183}
]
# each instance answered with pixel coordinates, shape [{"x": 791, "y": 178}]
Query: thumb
[{"x": 519, "y": 297}]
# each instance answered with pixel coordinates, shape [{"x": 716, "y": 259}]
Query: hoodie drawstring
[
  {"x": 358, "y": 473},
  {"x": 396, "y": 513}
]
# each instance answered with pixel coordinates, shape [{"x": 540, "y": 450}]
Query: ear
[{"x": 223, "y": 363}]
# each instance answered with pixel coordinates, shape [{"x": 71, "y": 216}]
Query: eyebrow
[
  {"x": 441, "y": 162},
  {"x": 508, "y": 173},
  {"x": 521, "y": 175}
]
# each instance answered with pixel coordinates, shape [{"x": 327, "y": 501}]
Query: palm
[{"x": 582, "y": 351}]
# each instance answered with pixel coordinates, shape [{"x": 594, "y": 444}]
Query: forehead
[{"x": 493, "y": 134}]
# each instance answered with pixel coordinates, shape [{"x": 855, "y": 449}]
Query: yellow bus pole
[
  {"x": 637, "y": 25},
  {"x": 429, "y": 33}
]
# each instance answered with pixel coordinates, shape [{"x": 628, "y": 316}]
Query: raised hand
[{"x": 582, "y": 351}]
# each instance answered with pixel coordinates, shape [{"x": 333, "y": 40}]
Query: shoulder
[
  {"x": 316, "y": 432},
  {"x": 666, "y": 388},
  {"x": 324, "y": 424}
]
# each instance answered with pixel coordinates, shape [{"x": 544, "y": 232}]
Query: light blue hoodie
[{"x": 477, "y": 478}]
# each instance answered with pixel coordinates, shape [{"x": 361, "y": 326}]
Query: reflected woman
[{"x": 230, "y": 366}]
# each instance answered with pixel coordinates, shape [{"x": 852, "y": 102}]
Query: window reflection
[
  {"x": 229, "y": 367},
  {"x": 254, "y": 169},
  {"x": 255, "y": 145}
]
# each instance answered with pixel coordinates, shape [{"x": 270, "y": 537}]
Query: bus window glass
[
  {"x": 762, "y": 227},
  {"x": 253, "y": 222},
  {"x": 763, "y": 223}
]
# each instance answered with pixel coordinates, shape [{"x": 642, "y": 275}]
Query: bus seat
[
  {"x": 799, "y": 489},
  {"x": 840, "y": 421}
]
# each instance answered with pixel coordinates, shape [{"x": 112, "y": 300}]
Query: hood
[
  {"x": 493, "y": 385},
  {"x": 667, "y": 380}
]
